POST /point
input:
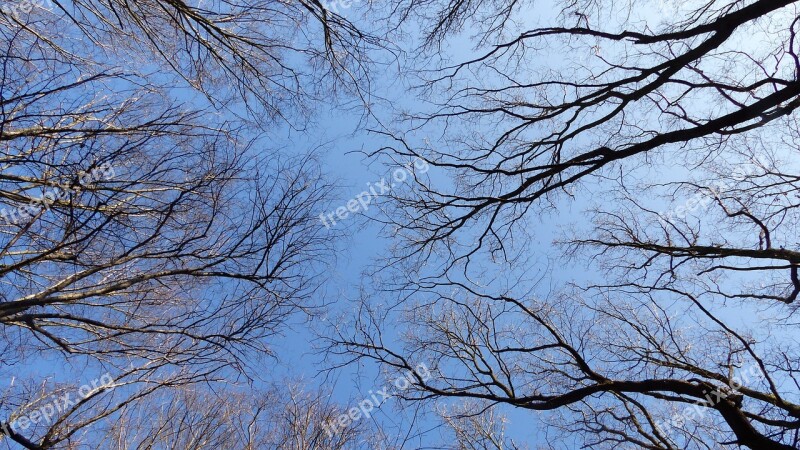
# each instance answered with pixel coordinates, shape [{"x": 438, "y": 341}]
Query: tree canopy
[{"x": 588, "y": 237}]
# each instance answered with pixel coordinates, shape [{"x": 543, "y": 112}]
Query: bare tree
[
  {"x": 678, "y": 330},
  {"x": 730, "y": 231},
  {"x": 231, "y": 51},
  {"x": 631, "y": 96},
  {"x": 283, "y": 417},
  {"x": 478, "y": 428},
  {"x": 147, "y": 232}
]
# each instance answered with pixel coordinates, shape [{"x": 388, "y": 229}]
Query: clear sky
[{"x": 340, "y": 136}]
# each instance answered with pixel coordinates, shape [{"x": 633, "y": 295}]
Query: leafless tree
[
  {"x": 148, "y": 231},
  {"x": 680, "y": 134},
  {"x": 283, "y": 417},
  {"x": 617, "y": 97},
  {"x": 478, "y": 428},
  {"x": 231, "y": 51}
]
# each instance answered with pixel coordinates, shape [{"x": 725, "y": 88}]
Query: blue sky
[{"x": 337, "y": 135}]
